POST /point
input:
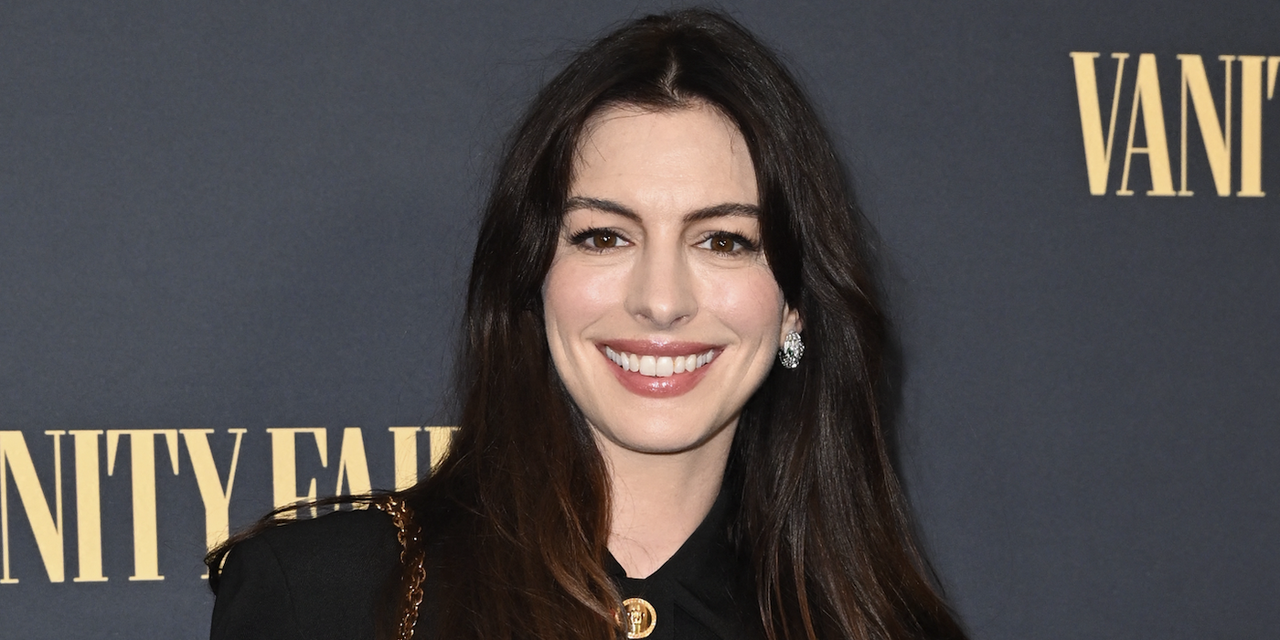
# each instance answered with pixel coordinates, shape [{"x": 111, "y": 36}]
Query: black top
[
  {"x": 327, "y": 578},
  {"x": 703, "y": 591}
]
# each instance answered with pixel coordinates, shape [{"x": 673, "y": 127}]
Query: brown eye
[
  {"x": 726, "y": 243},
  {"x": 599, "y": 240},
  {"x": 722, "y": 243},
  {"x": 604, "y": 240}
]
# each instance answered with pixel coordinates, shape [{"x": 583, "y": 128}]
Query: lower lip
[{"x": 649, "y": 386}]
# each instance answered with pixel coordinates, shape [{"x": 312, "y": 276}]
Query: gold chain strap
[{"x": 412, "y": 558}]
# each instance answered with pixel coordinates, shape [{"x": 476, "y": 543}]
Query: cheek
[
  {"x": 574, "y": 296},
  {"x": 751, "y": 303}
]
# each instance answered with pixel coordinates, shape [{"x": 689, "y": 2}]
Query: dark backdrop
[{"x": 243, "y": 216}]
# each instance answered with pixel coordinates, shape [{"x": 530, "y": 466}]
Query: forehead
[{"x": 690, "y": 155}]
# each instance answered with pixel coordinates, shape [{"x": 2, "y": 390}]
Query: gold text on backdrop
[
  {"x": 1147, "y": 97},
  {"x": 46, "y": 523}
]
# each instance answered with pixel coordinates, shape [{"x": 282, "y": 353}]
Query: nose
[{"x": 661, "y": 290}]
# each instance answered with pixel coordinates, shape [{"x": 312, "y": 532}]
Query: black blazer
[
  {"x": 308, "y": 580},
  {"x": 328, "y": 578}
]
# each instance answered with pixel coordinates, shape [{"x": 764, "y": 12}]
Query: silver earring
[{"x": 792, "y": 349}]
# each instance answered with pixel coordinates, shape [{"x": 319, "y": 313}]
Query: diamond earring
[{"x": 792, "y": 349}]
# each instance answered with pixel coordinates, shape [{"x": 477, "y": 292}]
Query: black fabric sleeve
[
  {"x": 254, "y": 600},
  {"x": 327, "y": 578}
]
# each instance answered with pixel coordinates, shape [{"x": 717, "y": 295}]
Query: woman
[{"x": 646, "y": 447}]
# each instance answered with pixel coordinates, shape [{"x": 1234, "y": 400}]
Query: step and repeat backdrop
[{"x": 234, "y": 239}]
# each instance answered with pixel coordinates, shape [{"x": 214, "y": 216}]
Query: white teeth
[{"x": 659, "y": 366}]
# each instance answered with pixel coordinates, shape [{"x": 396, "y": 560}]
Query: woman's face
[{"x": 662, "y": 314}]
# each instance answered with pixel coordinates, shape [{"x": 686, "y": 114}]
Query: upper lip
[{"x": 657, "y": 348}]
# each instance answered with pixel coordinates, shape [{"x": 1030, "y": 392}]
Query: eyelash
[
  {"x": 747, "y": 246},
  {"x": 742, "y": 244},
  {"x": 580, "y": 238}
]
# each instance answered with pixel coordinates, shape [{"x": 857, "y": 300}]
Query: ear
[{"x": 790, "y": 322}]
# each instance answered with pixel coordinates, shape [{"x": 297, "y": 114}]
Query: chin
[{"x": 660, "y": 438}]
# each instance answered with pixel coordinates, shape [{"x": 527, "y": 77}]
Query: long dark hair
[{"x": 517, "y": 514}]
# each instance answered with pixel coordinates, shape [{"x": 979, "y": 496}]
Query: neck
[{"x": 660, "y": 499}]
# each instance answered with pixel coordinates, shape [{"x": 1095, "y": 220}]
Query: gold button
[{"x": 641, "y": 618}]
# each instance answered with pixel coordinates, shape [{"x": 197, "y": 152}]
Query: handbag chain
[{"x": 412, "y": 558}]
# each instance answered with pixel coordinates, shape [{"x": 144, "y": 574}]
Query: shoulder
[
  {"x": 315, "y": 578},
  {"x": 336, "y": 539}
]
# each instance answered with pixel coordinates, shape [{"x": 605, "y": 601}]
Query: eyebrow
[{"x": 713, "y": 211}]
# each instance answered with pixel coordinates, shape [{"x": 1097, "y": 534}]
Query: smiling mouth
[{"x": 660, "y": 366}]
